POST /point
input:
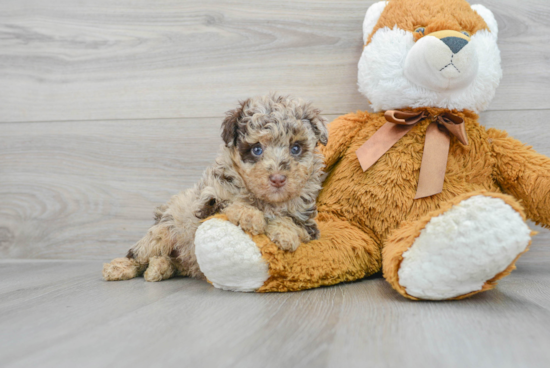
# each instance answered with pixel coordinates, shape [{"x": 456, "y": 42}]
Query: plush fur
[
  {"x": 448, "y": 246},
  {"x": 433, "y": 15},
  {"x": 474, "y": 240},
  {"x": 265, "y": 179},
  {"x": 247, "y": 274},
  {"x": 386, "y": 58}
]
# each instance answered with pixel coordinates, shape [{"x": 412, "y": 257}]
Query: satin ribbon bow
[{"x": 436, "y": 146}]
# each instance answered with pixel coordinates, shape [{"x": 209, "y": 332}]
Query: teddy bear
[{"x": 417, "y": 189}]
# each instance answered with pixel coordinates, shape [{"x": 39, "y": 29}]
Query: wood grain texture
[
  {"x": 61, "y": 314},
  {"x": 133, "y": 59},
  {"x": 129, "y": 93},
  {"x": 76, "y": 189},
  {"x": 81, "y": 190}
]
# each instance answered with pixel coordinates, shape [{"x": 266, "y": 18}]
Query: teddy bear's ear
[
  {"x": 488, "y": 17},
  {"x": 230, "y": 125},
  {"x": 371, "y": 18}
]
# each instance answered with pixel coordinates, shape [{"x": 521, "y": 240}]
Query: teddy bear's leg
[
  {"x": 458, "y": 250},
  {"x": 233, "y": 260}
]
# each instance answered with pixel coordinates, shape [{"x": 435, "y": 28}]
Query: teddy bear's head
[{"x": 429, "y": 53}]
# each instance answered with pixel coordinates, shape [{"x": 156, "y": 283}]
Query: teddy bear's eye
[
  {"x": 257, "y": 150},
  {"x": 420, "y": 30},
  {"x": 465, "y": 33}
]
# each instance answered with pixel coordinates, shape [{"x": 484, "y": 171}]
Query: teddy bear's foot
[
  {"x": 228, "y": 257},
  {"x": 122, "y": 269},
  {"x": 160, "y": 268},
  {"x": 461, "y": 251},
  {"x": 232, "y": 260}
]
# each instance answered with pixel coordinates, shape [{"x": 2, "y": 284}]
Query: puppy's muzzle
[{"x": 277, "y": 180}]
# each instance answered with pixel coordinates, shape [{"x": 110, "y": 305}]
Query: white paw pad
[
  {"x": 461, "y": 249},
  {"x": 228, "y": 257}
]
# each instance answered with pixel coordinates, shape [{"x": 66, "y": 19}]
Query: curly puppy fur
[{"x": 266, "y": 179}]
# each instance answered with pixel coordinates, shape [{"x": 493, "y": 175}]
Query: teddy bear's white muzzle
[{"x": 442, "y": 64}]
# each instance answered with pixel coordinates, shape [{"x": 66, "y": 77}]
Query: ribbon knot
[{"x": 436, "y": 146}]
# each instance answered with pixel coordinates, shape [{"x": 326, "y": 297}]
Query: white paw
[
  {"x": 461, "y": 249},
  {"x": 228, "y": 257}
]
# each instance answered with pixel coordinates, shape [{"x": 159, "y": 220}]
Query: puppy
[{"x": 265, "y": 179}]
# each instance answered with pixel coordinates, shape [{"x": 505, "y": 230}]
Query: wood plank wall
[{"x": 108, "y": 107}]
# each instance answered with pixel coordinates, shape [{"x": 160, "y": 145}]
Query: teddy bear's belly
[{"x": 382, "y": 197}]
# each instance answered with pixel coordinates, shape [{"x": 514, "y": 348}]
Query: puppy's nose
[
  {"x": 277, "y": 180},
  {"x": 454, "y": 43}
]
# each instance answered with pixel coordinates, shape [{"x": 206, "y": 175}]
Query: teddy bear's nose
[
  {"x": 277, "y": 180},
  {"x": 454, "y": 43}
]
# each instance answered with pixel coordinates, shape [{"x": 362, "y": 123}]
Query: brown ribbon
[{"x": 436, "y": 146}]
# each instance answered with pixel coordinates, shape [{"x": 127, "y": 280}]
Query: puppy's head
[{"x": 272, "y": 140}]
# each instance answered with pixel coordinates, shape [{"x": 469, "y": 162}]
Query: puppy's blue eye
[
  {"x": 257, "y": 151},
  {"x": 465, "y": 33},
  {"x": 296, "y": 149},
  {"x": 420, "y": 30}
]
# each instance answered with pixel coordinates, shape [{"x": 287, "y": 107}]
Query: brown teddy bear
[{"x": 416, "y": 189}]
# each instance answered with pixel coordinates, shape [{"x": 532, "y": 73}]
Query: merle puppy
[{"x": 265, "y": 179}]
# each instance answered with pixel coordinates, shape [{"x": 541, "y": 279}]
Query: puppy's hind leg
[
  {"x": 122, "y": 269},
  {"x": 158, "y": 242},
  {"x": 160, "y": 268}
]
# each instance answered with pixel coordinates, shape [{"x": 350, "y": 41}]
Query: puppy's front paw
[
  {"x": 248, "y": 218},
  {"x": 285, "y": 239},
  {"x": 253, "y": 222}
]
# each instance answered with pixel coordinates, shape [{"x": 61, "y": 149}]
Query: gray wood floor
[
  {"x": 109, "y": 107},
  {"x": 60, "y": 314}
]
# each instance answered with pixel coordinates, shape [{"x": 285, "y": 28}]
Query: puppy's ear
[
  {"x": 230, "y": 125},
  {"x": 318, "y": 123}
]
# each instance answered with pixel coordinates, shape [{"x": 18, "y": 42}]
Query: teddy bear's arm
[
  {"x": 341, "y": 132},
  {"x": 524, "y": 173}
]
